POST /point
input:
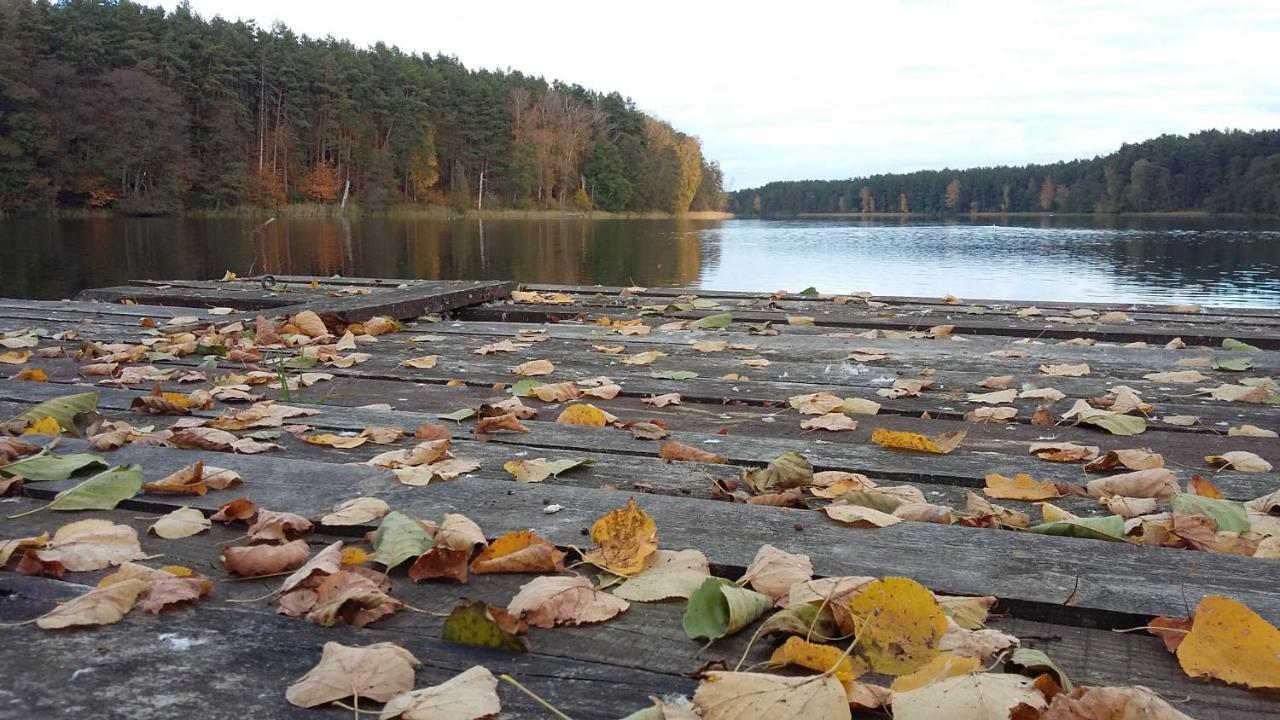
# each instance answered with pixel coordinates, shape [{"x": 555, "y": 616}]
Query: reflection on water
[{"x": 1226, "y": 262}]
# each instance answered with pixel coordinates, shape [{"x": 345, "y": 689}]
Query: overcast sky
[{"x": 802, "y": 89}]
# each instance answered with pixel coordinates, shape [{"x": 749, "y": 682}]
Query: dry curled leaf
[
  {"x": 521, "y": 551},
  {"x": 672, "y": 450},
  {"x": 100, "y": 606},
  {"x": 1019, "y": 487},
  {"x": 549, "y": 601},
  {"x": 760, "y": 696},
  {"x": 376, "y": 672},
  {"x": 254, "y": 560},
  {"x": 470, "y": 695}
]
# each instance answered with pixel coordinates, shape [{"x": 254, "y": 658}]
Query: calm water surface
[{"x": 1224, "y": 262}]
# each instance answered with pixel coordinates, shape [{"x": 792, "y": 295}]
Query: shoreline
[
  {"x": 1176, "y": 214},
  {"x": 430, "y": 212}
]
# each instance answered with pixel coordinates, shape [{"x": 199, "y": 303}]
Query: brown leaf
[
  {"x": 441, "y": 562},
  {"x": 352, "y": 598},
  {"x": 499, "y": 422},
  {"x": 834, "y": 422},
  {"x": 165, "y": 586},
  {"x": 1111, "y": 703},
  {"x": 92, "y": 544},
  {"x": 433, "y": 431},
  {"x": 663, "y": 400},
  {"x": 238, "y": 509},
  {"x": 275, "y": 526},
  {"x": 254, "y": 560},
  {"x": 773, "y": 571},
  {"x": 1154, "y": 483},
  {"x": 548, "y": 601},
  {"x": 376, "y": 672},
  {"x": 534, "y": 368},
  {"x": 672, "y": 450}
]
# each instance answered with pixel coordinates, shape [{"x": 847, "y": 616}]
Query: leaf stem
[{"x": 550, "y": 708}]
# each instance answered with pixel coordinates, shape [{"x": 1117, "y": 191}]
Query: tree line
[
  {"x": 1214, "y": 171},
  {"x": 123, "y": 106}
]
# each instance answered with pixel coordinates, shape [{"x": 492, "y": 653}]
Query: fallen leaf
[
  {"x": 276, "y": 526},
  {"x": 549, "y": 601},
  {"x": 1154, "y": 483},
  {"x": 624, "y": 539},
  {"x": 1132, "y": 459},
  {"x": 1180, "y": 376},
  {"x": 1065, "y": 369},
  {"x": 663, "y": 400},
  {"x": 816, "y": 657},
  {"x": 860, "y": 516},
  {"x": 539, "y": 469},
  {"x": 183, "y": 522},
  {"x": 426, "y": 362},
  {"x": 521, "y": 551},
  {"x": 1064, "y": 452},
  {"x": 942, "y": 666},
  {"x": 1248, "y": 431},
  {"x": 1231, "y": 642},
  {"x": 101, "y": 492},
  {"x": 352, "y": 598},
  {"x": 376, "y": 672},
  {"x": 398, "y": 538},
  {"x": 91, "y": 544},
  {"x": 760, "y": 696},
  {"x": 255, "y": 560},
  {"x": 834, "y": 422},
  {"x": 357, "y": 511},
  {"x": 494, "y": 423},
  {"x": 1019, "y": 487},
  {"x": 774, "y": 571},
  {"x": 1239, "y": 461},
  {"x": 584, "y": 414},
  {"x": 100, "y": 606},
  {"x": 977, "y": 696},
  {"x": 718, "y": 608},
  {"x": 534, "y": 367},
  {"x": 1111, "y": 703},
  {"x": 898, "y": 625},
  {"x": 666, "y": 574},
  {"x": 164, "y": 586},
  {"x": 672, "y": 450},
  {"x": 467, "y": 696},
  {"x": 476, "y": 623},
  {"x": 939, "y": 444}
]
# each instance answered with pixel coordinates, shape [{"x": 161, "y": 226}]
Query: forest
[
  {"x": 124, "y": 107},
  {"x": 1211, "y": 171}
]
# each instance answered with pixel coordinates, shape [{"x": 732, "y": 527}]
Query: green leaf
[
  {"x": 524, "y": 388},
  {"x": 705, "y": 304},
  {"x": 1233, "y": 364},
  {"x": 1230, "y": 516},
  {"x": 811, "y": 290},
  {"x": 472, "y": 623},
  {"x": 62, "y": 409},
  {"x": 428, "y": 338},
  {"x": 788, "y": 470},
  {"x": 399, "y": 538},
  {"x": 1110, "y": 527},
  {"x": 884, "y": 502},
  {"x": 678, "y": 307},
  {"x": 164, "y": 357},
  {"x": 101, "y": 492},
  {"x": 673, "y": 374},
  {"x": 1233, "y": 344},
  {"x": 457, "y": 415},
  {"x": 300, "y": 362},
  {"x": 51, "y": 468},
  {"x": 209, "y": 363},
  {"x": 1037, "y": 662},
  {"x": 719, "y": 608},
  {"x": 1119, "y": 424},
  {"x": 713, "y": 322}
]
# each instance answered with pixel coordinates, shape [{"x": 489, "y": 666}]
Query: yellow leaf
[
  {"x": 624, "y": 538},
  {"x": 898, "y": 623},
  {"x": 336, "y": 441},
  {"x": 940, "y": 444},
  {"x": 1052, "y": 513},
  {"x": 819, "y": 658},
  {"x": 534, "y": 367},
  {"x": 44, "y": 426},
  {"x": 15, "y": 357},
  {"x": 582, "y": 414},
  {"x": 355, "y": 556},
  {"x": 426, "y": 362},
  {"x": 1231, "y": 642},
  {"x": 1019, "y": 487},
  {"x": 943, "y": 666},
  {"x": 32, "y": 375}
]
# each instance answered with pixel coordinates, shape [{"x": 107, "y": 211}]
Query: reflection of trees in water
[{"x": 1205, "y": 262}]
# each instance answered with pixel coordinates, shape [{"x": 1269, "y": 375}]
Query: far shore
[{"x": 431, "y": 212}]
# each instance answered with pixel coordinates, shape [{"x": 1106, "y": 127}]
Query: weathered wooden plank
[
  {"x": 233, "y": 663},
  {"x": 1150, "y": 332},
  {"x": 1108, "y": 582},
  {"x": 964, "y": 468},
  {"x": 650, "y": 632},
  {"x": 411, "y": 301}
]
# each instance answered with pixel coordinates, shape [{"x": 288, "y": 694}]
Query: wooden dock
[{"x": 734, "y": 359}]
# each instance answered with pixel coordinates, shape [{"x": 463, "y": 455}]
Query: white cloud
[{"x": 837, "y": 89}]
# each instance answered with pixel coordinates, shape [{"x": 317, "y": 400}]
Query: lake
[{"x": 1164, "y": 260}]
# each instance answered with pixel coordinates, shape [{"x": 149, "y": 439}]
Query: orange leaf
[
  {"x": 518, "y": 552},
  {"x": 1019, "y": 487},
  {"x": 625, "y": 538},
  {"x": 1231, "y": 642}
]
